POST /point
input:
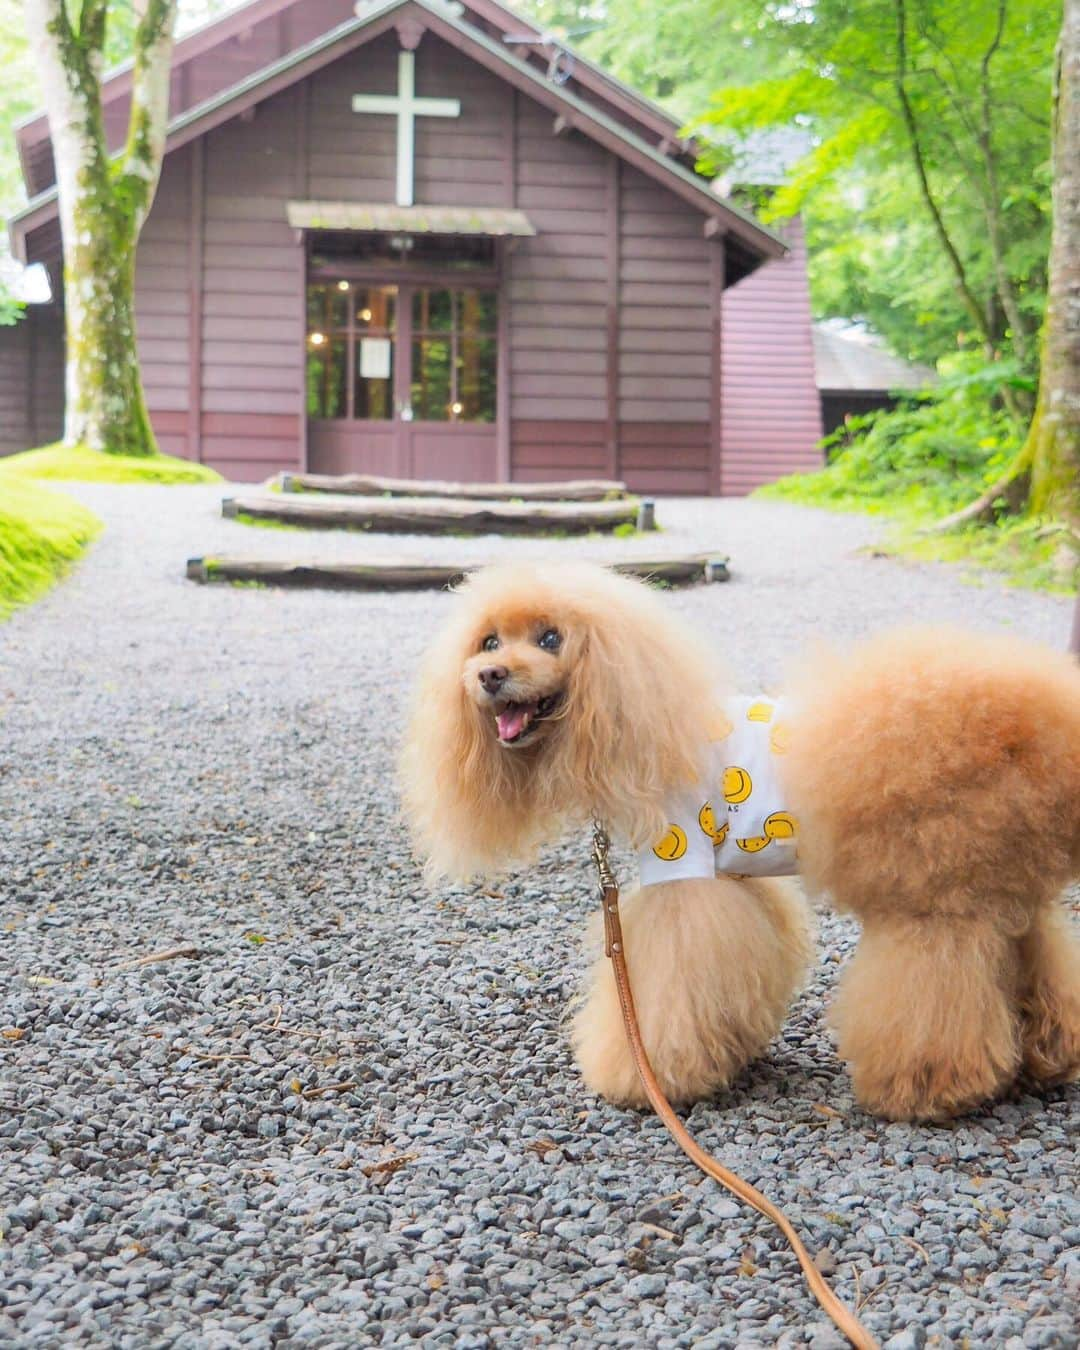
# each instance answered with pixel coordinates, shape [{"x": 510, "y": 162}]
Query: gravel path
[{"x": 351, "y": 1119}]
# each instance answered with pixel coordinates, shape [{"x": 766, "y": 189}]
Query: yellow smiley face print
[
  {"x": 781, "y": 825},
  {"x": 738, "y": 784},
  {"x": 754, "y": 844},
  {"x": 672, "y": 846},
  {"x": 707, "y": 821},
  {"x": 780, "y": 738},
  {"x": 759, "y": 712}
]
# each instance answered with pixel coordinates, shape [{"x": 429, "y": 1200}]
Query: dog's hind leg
[
  {"x": 714, "y": 965},
  {"x": 927, "y": 1016},
  {"x": 1050, "y": 998}
]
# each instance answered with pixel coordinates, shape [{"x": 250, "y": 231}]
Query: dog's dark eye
[
  {"x": 550, "y": 640},
  {"x": 490, "y": 643}
]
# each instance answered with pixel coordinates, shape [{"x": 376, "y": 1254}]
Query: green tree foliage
[
  {"x": 18, "y": 97},
  {"x": 678, "y": 53},
  {"x": 925, "y": 458},
  {"x": 929, "y": 172},
  {"x": 926, "y": 186}
]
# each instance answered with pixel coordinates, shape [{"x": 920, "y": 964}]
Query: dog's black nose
[{"x": 493, "y": 678}]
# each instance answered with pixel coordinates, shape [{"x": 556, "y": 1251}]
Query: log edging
[
  {"x": 394, "y": 574},
  {"x": 375, "y": 485},
  {"x": 432, "y": 515}
]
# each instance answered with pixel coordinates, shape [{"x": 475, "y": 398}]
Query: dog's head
[
  {"x": 554, "y": 693},
  {"x": 519, "y": 675}
]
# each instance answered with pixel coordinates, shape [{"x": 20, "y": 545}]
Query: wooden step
[
  {"x": 434, "y": 515},
  {"x": 369, "y": 485},
  {"x": 396, "y": 574}
]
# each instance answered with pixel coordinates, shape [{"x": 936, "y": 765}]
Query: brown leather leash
[{"x": 843, "y": 1317}]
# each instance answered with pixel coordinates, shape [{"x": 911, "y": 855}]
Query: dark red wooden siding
[
  {"x": 665, "y": 340},
  {"x": 162, "y": 303},
  {"x": 771, "y": 409},
  {"x": 32, "y": 380}
]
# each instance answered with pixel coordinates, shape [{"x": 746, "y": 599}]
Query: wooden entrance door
[{"x": 401, "y": 378}]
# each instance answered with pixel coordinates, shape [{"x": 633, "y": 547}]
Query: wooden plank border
[
  {"x": 386, "y": 574},
  {"x": 374, "y": 485},
  {"x": 427, "y": 515}
]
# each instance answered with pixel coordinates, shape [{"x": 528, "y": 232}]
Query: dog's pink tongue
[{"x": 513, "y": 720}]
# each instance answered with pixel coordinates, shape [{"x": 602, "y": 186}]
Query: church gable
[{"x": 458, "y": 159}]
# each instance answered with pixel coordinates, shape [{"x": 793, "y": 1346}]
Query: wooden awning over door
[{"x": 379, "y": 217}]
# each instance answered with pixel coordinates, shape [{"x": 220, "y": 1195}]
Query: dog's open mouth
[{"x": 516, "y": 721}]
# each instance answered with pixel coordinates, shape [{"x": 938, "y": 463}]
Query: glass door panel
[
  {"x": 401, "y": 353},
  {"x": 350, "y": 350},
  {"x": 453, "y": 354},
  {"x": 374, "y": 322},
  {"x": 432, "y": 386}
]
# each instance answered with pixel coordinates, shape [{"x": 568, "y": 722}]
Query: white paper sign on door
[{"x": 375, "y": 358}]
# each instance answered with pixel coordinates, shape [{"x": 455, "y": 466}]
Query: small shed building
[{"x": 856, "y": 375}]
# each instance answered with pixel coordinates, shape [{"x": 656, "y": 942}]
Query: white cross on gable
[{"x": 406, "y": 107}]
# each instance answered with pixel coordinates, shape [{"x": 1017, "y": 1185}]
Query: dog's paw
[
  {"x": 1051, "y": 1042},
  {"x": 930, "y": 1090}
]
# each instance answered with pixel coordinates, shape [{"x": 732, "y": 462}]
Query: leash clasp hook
[{"x": 609, "y": 888}]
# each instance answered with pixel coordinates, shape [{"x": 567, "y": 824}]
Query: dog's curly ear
[
  {"x": 643, "y": 693},
  {"x": 465, "y": 800}
]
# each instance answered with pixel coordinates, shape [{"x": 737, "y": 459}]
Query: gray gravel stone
[{"x": 214, "y": 766}]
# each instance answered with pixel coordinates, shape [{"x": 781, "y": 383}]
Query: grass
[
  {"x": 1027, "y": 553},
  {"x": 42, "y": 533},
  {"x": 83, "y": 465}
]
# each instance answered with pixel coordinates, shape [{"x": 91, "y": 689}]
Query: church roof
[
  {"x": 254, "y": 35},
  {"x": 631, "y": 138}
]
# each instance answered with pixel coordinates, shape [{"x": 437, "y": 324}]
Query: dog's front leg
[{"x": 714, "y": 965}]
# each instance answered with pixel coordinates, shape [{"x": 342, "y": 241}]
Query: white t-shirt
[{"x": 737, "y": 823}]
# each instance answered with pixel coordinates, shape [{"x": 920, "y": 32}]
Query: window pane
[
  {"x": 373, "y": 392},
  {"x": 476, "y": 311},
  {"x": 375, "y": 308},
  {"x": 475, "y": 380},
  {"x": 327, "y": 306},
  {"x": 433, "y": 311},
  {"x": 431, "y": 379},
  {"x": 325, "y": 376}
]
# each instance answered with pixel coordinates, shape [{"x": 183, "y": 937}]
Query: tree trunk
[
  {"x": 1053, "y": 442},
  {"x": 103, "y": 202},
  {"x": 106, "y": 408},
  {"x": 994, "y": 198},
  {"x": 1044, "y": 478}
]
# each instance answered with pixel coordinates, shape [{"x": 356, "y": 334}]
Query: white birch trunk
[{"x": 102, "y": 208}]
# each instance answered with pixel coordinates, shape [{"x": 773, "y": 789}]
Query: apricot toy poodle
[{"x": 927, "y": 782}]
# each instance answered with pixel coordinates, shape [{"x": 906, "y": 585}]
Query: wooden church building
[{"x": 412, "y": 237}]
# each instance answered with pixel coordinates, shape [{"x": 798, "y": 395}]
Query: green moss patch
[
  {"x": 83, "y": 465},
  {"x": 265, "y": 522},
  {"x": 1030, "y": 554},
  {"x": 41, "y": 534}
]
